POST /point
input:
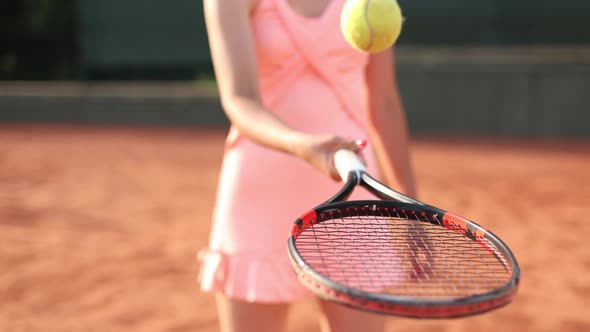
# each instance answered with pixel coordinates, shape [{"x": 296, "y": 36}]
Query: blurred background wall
[{"x": 491, "y": 67}]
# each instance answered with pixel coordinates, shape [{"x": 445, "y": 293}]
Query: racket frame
[{"x": 400, "y": 305}]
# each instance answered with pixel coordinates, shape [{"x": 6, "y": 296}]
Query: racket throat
[
  {"x": 382, "y": 191},
  {"x": 354, "y": 178}
]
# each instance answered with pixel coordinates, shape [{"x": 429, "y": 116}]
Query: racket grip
[{"x": 347, "y": 161}]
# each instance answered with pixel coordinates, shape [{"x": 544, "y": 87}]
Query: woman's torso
[
  {"x": 306, "y": 68},
  {"x": 313, "y": 80}
]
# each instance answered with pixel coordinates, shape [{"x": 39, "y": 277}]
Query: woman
[{"x": 295, "y": 92}]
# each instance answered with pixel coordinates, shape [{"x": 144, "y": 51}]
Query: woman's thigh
[
  {"x": 338, "y": 318},
  {"x": 241, "y": 316}
]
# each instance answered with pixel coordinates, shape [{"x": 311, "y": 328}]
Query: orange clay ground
[{"x": 99, "y": 227}]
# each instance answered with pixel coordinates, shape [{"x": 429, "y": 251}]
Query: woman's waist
[{"x": 311, "y": 99}]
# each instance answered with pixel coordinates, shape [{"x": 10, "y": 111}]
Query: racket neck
[
  {"x": 354, "y": 179},
  {"x": 375, "y": 187},
  {"x": 382, "y": 191}
]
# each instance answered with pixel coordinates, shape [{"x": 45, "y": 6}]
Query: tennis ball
[{"x": 371, "y": 25}]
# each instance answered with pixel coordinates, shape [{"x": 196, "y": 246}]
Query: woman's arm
[
  {"x": 388, "y": 129},
  {"x": 234, "y": 58}
]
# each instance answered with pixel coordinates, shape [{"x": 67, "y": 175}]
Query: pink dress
[{"x": 312, "y": 79}]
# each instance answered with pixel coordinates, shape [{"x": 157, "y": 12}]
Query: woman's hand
[{"x": 318, "y": 150}]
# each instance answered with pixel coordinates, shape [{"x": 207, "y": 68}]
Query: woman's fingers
[{"x": 354, "y": 145}]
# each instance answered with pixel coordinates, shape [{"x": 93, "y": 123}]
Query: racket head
[{"x": 360, "y": 254}]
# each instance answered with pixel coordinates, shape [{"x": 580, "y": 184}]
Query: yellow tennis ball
[{"x": 371, "y": 25}]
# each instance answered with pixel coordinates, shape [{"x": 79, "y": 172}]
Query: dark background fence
[
  {"x": 139, "y": 39},
  {"x": 509, "y": 67},
  {"x": 38, "y": 39}
]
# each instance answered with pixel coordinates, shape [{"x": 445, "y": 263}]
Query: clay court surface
[{"x": 99, "y": 227}]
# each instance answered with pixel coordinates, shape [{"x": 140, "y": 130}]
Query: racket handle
[{"x": 347, "y": 161}]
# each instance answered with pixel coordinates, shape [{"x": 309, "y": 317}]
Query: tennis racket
[{"x": 398, "y": 255}]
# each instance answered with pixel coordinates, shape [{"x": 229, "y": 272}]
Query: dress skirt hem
[{"x": 251, "y": 279}]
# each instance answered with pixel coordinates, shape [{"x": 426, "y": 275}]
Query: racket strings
[{"x": 400, "y": 254}]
